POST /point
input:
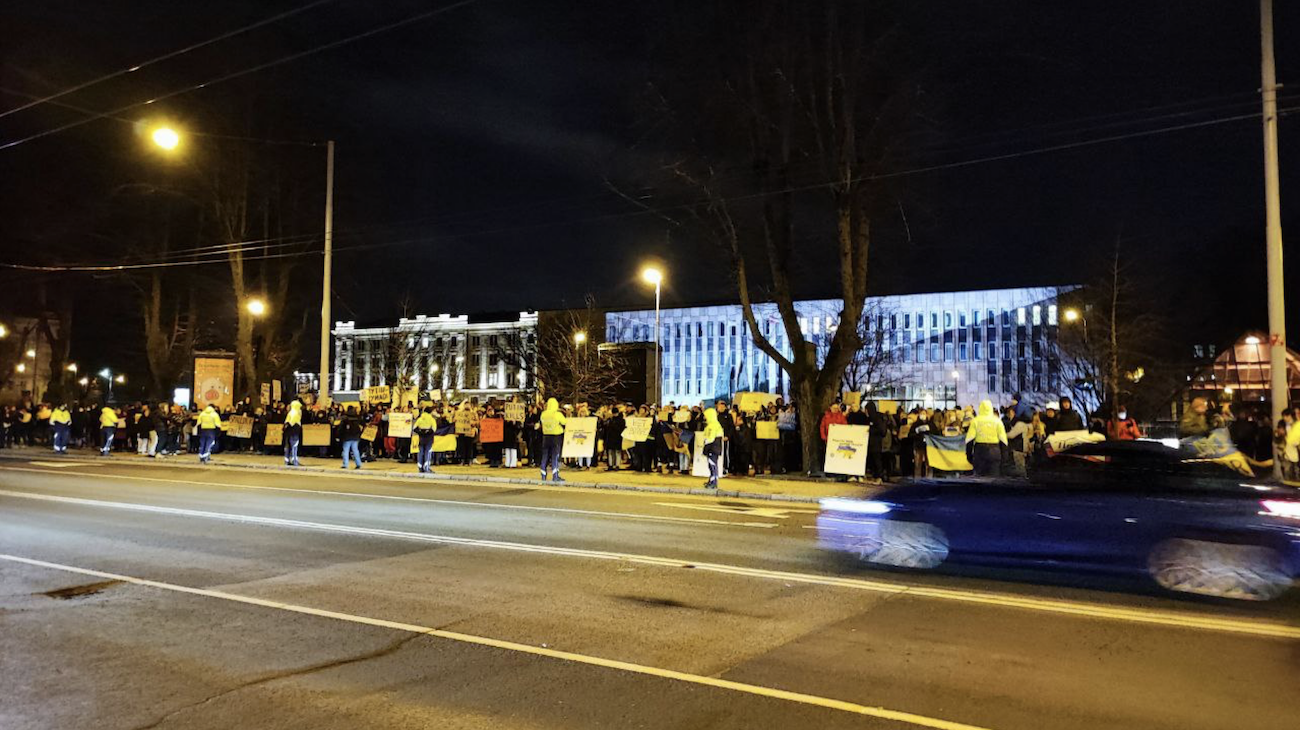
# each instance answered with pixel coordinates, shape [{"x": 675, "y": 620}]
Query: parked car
[{"x": 1136, "y": 508}]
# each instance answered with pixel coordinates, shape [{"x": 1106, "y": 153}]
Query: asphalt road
[{"x": 155, "y": 596}]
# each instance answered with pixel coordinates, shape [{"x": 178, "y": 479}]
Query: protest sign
[
  {"x": 767, "y": 431},
  {"x": 399, "y": 425},
  {"x": 465, "y": 419},
  {"x": 435, "y": 395},
  {"x": 276, "y": 395},
  {"x": 851, "y": 398},
  {"x": 491, "y": 430},
  {"x": 266, "y": 393},
  {"x": 377, "y": 394},
  {"x": 700, "y": 462},
  {"x": 515, "y": 412},
  {"x": 753, "y": 402},
  {"x": 213, "y": 379},
  {"x": 579, "y": 438},
  {"x": 240, "y": 427},
  {"x": 637, "y": 429},
  {"x": 846, "y": 449},
  {"x": 274, "y": 434},
  {"x": 369, "y": 433},
  {"x": 887, "y": 406},
  {"x": 682, "y": 416},
  {"x": 316, "y": 434}
]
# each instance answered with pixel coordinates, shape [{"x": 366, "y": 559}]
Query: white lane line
[
  {"x": 595, "y": 661},
  {"x": 431, "y": 500},
  {"x": 1073, "y": 608}
]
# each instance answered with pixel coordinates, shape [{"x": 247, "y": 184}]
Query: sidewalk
[{"x": 783, "y": 488}]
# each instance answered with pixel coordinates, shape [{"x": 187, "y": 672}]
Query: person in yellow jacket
[
  {"x": 989, "y": 436},
  {"x": 292, "y": 433},
  {"x": 209, "y": 431},
  {"x": 61, "y": 425},
  {"x": 712, "y": 449},
  {"x": 107, "y": 429},
  {"x": 552, "y": 424}
]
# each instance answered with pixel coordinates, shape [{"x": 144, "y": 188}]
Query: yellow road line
[
  {"x": 595, "y": 661},
  {"x": 1182, "y": 620}
]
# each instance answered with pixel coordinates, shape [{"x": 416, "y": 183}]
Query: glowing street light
[
  {"x": 72, "y": 367},
  {"x": 579, "y": 337},
  {"x": 119, "y": 379},
  {"x": 21, "y": 367},
  {"x": 4, "y": 331},
  {"x": 256, "y": 307},
  {"x": 166, "y": 138},
  {"x": 1071, "y": 315},
  {"x": 652, "y": 275},
  {"x": 1252, "y": 340},
  {"x": 84, "y": 382},
  {"x": 31, "y": 354}
]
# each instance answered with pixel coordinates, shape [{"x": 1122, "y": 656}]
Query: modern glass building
[{"x": 935, "y": 349}]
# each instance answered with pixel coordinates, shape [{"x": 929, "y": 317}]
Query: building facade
[
  {"x": 934, "y": 349},
  {"x": 464, "y": 356}
]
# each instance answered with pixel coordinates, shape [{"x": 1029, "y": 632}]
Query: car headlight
[{"x": 856, "y": 506}]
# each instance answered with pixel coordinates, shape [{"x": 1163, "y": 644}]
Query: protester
[
  {"x": 209, "y": 429},
  {"x": 552, "y": 426},
  {"x": 989, "y": 435}
]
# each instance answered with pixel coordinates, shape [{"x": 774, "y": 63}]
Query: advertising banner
[
  {"x": 579, "y": 438},
  {"x": 240, "y": 427},
  {"x": 316, "y": 434},
  {"x": 399, "y": 425},
  {"x": 637, "y": 429},
  {"x": 214, "y": 381},
  {"x": 491, "y": 430},
  {"x": 767, "y": 431},
  {"x": 753, "y": 402},
  {"x": 846, "y": 449},
  {"x": 274, "y": 434}
]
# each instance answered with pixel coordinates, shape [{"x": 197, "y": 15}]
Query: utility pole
[
  {"x": 323, "y": 396},
  {"x": 1278, "y": 386}
]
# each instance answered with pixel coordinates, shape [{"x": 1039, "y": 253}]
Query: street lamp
[
  {"x": 4, "y": 331},
  {"x": 31, "y": 354},
  {"x": 21, "y": 367},
  {"x": 166, "y": 138},
  {"x": 652, "y": 275},
  {"x": 72, "y": 367},
  {"x": 579, "y": 337},
  {"x": 256, "y": 307},
  {"x": 120, "y": 379},
  {"x": 84, "y": 382},
  {"x": 1071, "y": 315}
]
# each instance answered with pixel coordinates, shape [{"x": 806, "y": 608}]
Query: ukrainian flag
[
  {"x": 1217, "y": 447},
  {"x": 947, "y": 453}
]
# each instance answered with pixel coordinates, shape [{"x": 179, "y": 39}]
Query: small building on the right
[{"x": 1240, "y": 373}]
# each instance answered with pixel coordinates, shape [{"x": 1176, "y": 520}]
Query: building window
[
  {"x": 1037, "y": 315},
  {"x": 934, "y": 352},
  {"x": 947, "y": 320},
  {"x": 1006, "y": 350},
  {"x": 993, "y": 383},
  {"x": 907, "y": 353},
  {"x": 1038, "y": 348},
  {"x": 1020, "y": 316},
  {"x": 1198, "y": 351},
  {"x": 920, "y": 353},
  {"x": 947, "y": 352},
  {"x": 934, "y": 320},
  {"x": 961, "y": 320},
  {"x": 1051, "y": 314},
  {"x": 976, "y": 353},
  {"x": 907, "y": 321},
  {"x": 961, "y": 352},
  {"x": 920, "y": 320}
]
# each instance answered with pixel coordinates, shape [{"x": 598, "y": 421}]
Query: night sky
[{"x": 476, "y": 149}]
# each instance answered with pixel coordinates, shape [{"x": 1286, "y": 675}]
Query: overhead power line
[
  {"x": 244, "y": 72},
  {"x": 166, "y": 56}
]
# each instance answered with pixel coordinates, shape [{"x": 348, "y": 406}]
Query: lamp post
[
  {"x": 1279, "y": 388},
  {"x": 651, "y": 275}
]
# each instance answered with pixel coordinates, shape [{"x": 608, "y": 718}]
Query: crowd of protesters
[{"x": 1009, "y": 440}]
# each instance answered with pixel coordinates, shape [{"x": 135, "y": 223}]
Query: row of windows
[
  {"x": 968, "y": 351},
  {"x": 976, "y": 318}
]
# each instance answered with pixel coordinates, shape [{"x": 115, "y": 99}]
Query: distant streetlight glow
[
  {"x": 119, "y": 379},
  {"x": 4, "y": 331},
  {"x": 72, "y": 367},
  {"x": 579, "y": 337},
  {"x": 651, "y": 275},
  {"x": 21, "y": 367},
  {"x": 84, "y": 382},
  {"x": 105, "y": 373},
  {"x": 1071, "y": 315},
  {"x": 31, "y": 354},
  {"x": 166, "y": 138},
  {"x": 1252, "y": 340},
  {"x": 256, "y": 307}
]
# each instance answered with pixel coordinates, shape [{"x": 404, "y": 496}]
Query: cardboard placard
[
  {"x": 579, "y": 438},
  {"x": 240, "y": 427},
  {"x": 514, "y": 412},
  {"x": 846, "y": 449},
  {"x": 491, "y": 430},
  {"x": 465, "y": 419},
  {"x": 274, "y": 434},
  {"x": 637, "y": 428},
  {"x": 851, "y": 398},
  {"x": 369, "y": 433},
  {"x": 887, "y": 406},
  {"x": 377, "y": 394},
  {"x": 683, "y": 415},
  {"x": 399, "y": 425},
  {"x": 700, "y": 462},
  {"x": 766, "y": 431},
  {"x": 316, "y": 434},
  {"x": 276, "y": 395},
  {"x": 435, "y": 395},
  {"x": 749, "y": 402},
  {"x": 266, "y": 393},
  {"x": 214, "y": 378}
]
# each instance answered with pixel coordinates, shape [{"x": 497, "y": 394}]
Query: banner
[
  {"x": 515, "y": 412},
  {"x": 465, "y": 419},
  {"x": 435, "y": 395},
  {"x": 274, "y": 434},
  {"x": 579, "y": 438},
  {"x": 767, "y": 431},
  {"x": 851, "y": 398},
  {"x": 491, "y": 430},
  {"x": 376, "y": 394},
  {"x": 240, "y": 427},
  {"x": 947, "y": 453},
  {"x": 266, "y": 393},
  {"x": 214, "y": 379},
  {"x": 369, "y": 433},
  {"x": 446, "y": 442},
  {"x": 399, "y": 425},
  {"x": 276, "y": 395},
  {"x": 637, "y": 429},
  {"x": 753, "y": 402},
  {"x": 1062, "y": 440},
  {"x": 316, "y": 434},
  {"x": 846, "y": 449},
  {"x": 700, "y": 462}
]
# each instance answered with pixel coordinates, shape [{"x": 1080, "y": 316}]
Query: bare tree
[
  {"x": 874, "y": 365},
  {"x": 575, "y": 372}
]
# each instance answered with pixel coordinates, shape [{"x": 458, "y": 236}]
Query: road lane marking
[
  {"x": 462, "y": 503},
  {"x": 55, "y": 464},
  {"x": 779, "y": 513},
  {"x": 1073, "y": 608},
  {"x": 505, "y": 645}
]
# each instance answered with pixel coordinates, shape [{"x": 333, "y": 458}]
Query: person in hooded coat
[
  {"x": 107, "y": 429},
  {"x": 989, "y": 436},
  {"x": 292, "y": 433},
  {"x": 209, "y": 431},
  {"x": 712, "y": 436},
  {"x": 552, "y": 423}
]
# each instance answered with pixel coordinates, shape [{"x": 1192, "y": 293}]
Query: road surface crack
[{"x": 391, "y": 648}]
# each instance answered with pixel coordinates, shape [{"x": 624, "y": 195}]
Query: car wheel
[
  {"x": 1241, "y": 572},
  {"x": 917, "y": 545}
]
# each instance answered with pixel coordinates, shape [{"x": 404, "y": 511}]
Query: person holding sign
[
  {"x": 712, "y": 435},
  {"x": 552, "y": 424},
  {"x": 209, "y": 430},
  {"x": 292, "y": 433}
]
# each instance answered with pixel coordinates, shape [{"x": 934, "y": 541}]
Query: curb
[{"x": 436, "y": 477}]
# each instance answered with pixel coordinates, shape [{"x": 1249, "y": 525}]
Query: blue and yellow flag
[
  {"x": 947, "y": 453},
  {"x": 1217, "y": 447}
]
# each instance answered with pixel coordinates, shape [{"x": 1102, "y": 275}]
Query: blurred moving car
[{"x": 1127, "y": 507}]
